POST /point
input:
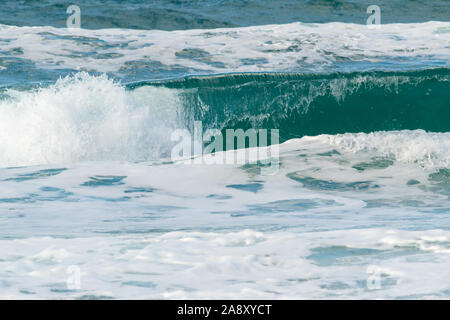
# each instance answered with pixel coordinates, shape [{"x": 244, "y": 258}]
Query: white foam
[
  {"x": 230, "y": 265},
  {"x": 199, "y": 233},
  {"x": 86, "y": 118},
  {"x": 295, "y": 46},
  {"x": 427, "y": 149}
]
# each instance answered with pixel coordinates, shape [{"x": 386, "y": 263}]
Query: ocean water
[{"x": 93, "y": 206}]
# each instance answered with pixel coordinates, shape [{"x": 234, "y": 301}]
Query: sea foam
[{"x": 86, "y": 118}]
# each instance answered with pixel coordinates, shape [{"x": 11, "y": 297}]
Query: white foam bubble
[
  {"x": 427, "y": 149},
  {"x": 86, "y": 118}
]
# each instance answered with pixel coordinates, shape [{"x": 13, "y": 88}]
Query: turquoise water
[
  {"x": 357, "y": 206},
  {"x": 310, "y": 105}
]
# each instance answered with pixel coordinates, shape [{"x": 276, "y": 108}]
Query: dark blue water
[{"x": 201, "y": 14}]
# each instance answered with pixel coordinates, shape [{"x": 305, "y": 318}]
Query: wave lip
[{"x": 313, "y": 104}]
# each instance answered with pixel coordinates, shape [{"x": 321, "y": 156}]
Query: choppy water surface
[{"x": 358, "y": 208}]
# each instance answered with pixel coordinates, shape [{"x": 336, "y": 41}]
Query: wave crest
[{"x": 86, "y": 117}]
